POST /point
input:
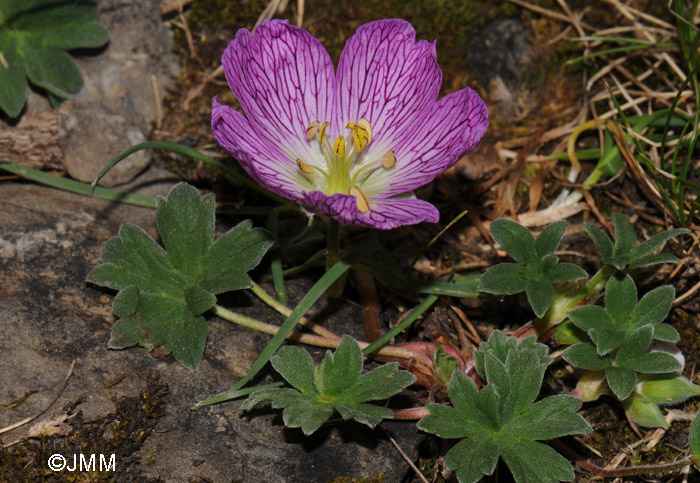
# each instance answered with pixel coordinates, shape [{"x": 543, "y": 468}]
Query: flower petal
[
  {"x": 386, "y": 77},
  {"x": 283, "y": 78},
  {"x": 384, "y": 214},
  {"x": 446, "y": 131},
  {"x": 260, "y": 158}
]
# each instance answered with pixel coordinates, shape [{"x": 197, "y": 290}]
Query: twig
[
  {"x": 173, "y": 6},
  {"x": 43, "y": 410},
  {"x": 405, "y": 457}
]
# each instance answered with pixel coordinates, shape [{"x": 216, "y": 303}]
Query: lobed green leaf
[
  {"x": 164, "y": 293},
  {"x": 336, "y": 385},
  {"x": 500, "y": 420}
]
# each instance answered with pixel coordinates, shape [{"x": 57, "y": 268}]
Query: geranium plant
[{"x": 352, "y": 144}]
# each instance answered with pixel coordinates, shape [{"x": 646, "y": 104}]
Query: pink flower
[{"x": 353, "y": 143}]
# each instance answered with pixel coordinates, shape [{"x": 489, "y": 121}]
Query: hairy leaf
[
  {"x": 33, "y": 36},
  {"x": 500, "y": 420},
  {"x": 163, "y": 294},
  {"x": 609, "y": 328},
  {"x": 537, "y": 268},
  {"x": 337, "y": 384},
  {"x": 625, "y": 254}
]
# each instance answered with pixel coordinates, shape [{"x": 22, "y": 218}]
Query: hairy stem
[
  {"x": 569, "y": 299},
  {"x": 386, "y": 352},
  {"x": 286, "y": 311},
  {"x": 332, "y": 257},
  {"x": 621, "y": 472},
  {"x": 364, "y": 282}
]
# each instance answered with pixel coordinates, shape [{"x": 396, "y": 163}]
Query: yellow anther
[
  {"x": 322, "y": 133},
  {"x": 312, "y": 130},
  {"x": 339, "y": 147},
  {"x": 305, "y": 168},
  {"x": 365, "y": 124},
  {"x": 361, "y": 133},
  {"x": 360, "y": 199},
  {"x": 389, "y": 159}
]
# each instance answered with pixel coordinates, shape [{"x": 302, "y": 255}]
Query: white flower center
[{"x": 347, "y": 165}]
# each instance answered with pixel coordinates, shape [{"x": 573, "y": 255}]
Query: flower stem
[
  {"x": 286, "y": 311},
  {"x": 364, "y": 282},
  {"x": 316, "y": 340},
  {"x": 266, "y": 328},
  {"x": 332, "y": 257}
]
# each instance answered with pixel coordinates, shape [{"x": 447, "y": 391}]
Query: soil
[{"x": 137, "y": 405}]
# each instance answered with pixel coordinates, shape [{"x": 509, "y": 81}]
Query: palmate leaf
[
  {"x": 163, "y": 293},
  {"x": 336, "y": 385},
  {"x": 624, "y": 253},
  {"x": 609, "y": 328},
  {"x": 631, "y": 358},
  {"x": 33, "y": 36},
  {"x": 500, "y": 420},
  {"x": 537, "y": 268}
]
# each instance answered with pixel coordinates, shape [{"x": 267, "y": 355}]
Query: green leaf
[
  {"x": 621, "y": 380},
  {"x": 694, "y": 438},
  {"x": 51, "y": 68},
  {"x": 625, "y": 235},
  {"x": 635, "y": 345},
  {"x": 501, "y": 421},
  {"x": 667, "y": 388},
  {"x": 601, "y": 241},
  {"x": 537, "y": 269},
  {"x": 32, "y": 36},
  {"x": 13, "y": 82},
  {"x": 666, "y": 332},
  {"x": 624, "y": 254},
  {"x": 566, "y": 272},
  {"x": 590, "y": 317},
  {"x": 652, "y": 260},
  {"x": 568, "y": 333},
  {"x": 164, "y": 293},
  {"x": 504, "y": 279},
  {"x": 500, "y": 345},
  {"x": 516, "y": 240},
  {"x": 611, "y": 327},
  {"x": 585, "y": 356},
  {"x": 654, "y": 307},
  {"x": 653, "y": 363},
  {"x": 297, "y": 367},
  {"x": 549, "y": 239},
  {"x": 654, "y": 243},
  {"x": 644, "y": 411},
  {"x": 337, "y": 384},
  {"x": 540, "y": 294},
  {"x": 620, "y": 299}
]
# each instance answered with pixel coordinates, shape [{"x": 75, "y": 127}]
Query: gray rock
[
  {"x": 117, "y": 105},
  {"x": 49, "y": 316},
  {"x": 501, "y": 55}
]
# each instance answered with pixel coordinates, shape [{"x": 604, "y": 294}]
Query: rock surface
[
  {"x": 49, "y": 317},
  {"x": 501, "y": 55},
  {"x": 117, "y": 106}
]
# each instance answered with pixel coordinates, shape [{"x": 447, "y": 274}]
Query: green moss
[
  {"x": 372, "y": 479},
  {"x": 130, "y": 425}
]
